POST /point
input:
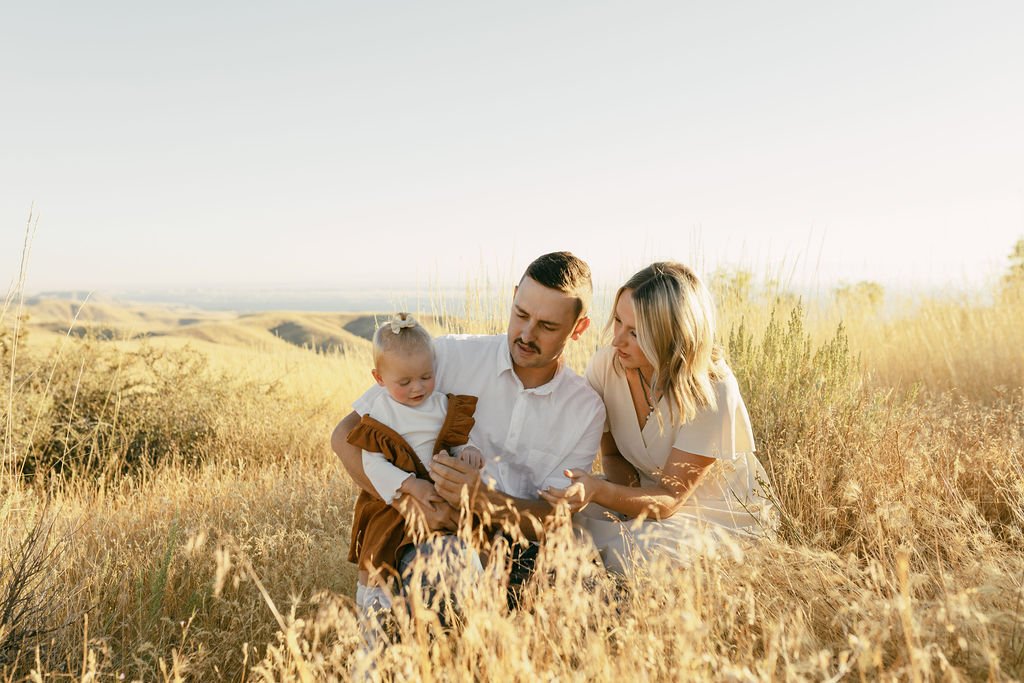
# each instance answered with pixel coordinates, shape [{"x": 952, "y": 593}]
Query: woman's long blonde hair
[{"x": 675, "y": 328}]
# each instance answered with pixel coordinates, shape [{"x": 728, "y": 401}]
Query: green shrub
[
  {"x": 94, "y": 408},
  {"x": 805, "y": 403},
  {"x": 786, "y": 383}
]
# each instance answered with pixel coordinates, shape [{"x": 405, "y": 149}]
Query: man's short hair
[{"x": 565, "y": 272}]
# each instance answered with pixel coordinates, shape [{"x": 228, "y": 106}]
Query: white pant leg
[
  {"x": 606, "y": 531},
  {"x": 625, "y": 543}
]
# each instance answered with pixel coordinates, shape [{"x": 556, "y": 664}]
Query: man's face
[{"x": 541, "y": 322}]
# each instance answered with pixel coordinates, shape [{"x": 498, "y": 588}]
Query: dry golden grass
[
  {"x": 895, "y": 448},
  {"x": 968, "y": 348}
]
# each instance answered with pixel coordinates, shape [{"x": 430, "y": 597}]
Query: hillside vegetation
[{"x": 171, "y": 509}]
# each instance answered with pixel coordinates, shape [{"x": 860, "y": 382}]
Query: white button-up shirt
[{"x": 527, "y": 436}]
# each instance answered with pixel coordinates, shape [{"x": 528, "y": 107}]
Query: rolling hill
[{"x": 48, "y": 318}]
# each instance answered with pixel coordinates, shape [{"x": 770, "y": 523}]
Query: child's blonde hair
[{"x": 402, "y": 334}]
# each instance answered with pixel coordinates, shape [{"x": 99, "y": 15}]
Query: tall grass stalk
[
  {"x": 209, "y": 520},
  {"x": 15, "y": 293}
]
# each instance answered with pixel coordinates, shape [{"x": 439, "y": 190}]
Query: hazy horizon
[{"x": 260, "y": 298}]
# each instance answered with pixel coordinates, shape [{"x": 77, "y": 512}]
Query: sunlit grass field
[{"x": 171, "y": 509}]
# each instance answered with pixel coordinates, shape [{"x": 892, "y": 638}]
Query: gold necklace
[{"x": 649, "y": 398}]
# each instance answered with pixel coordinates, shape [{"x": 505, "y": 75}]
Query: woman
[{"x": 680, "y": 473}]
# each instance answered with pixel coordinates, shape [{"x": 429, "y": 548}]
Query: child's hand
[
  {"x": 472, "y": 456},
  {"x": 422, "y": 490}
]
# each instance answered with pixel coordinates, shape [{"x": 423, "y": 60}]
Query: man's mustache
[{"x": 530, "y": 345}]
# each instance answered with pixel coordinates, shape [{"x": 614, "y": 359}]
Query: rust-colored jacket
[{"x": 378, "y": 531}]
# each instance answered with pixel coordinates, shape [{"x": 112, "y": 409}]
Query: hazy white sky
[{"x": 331, "y": 143}]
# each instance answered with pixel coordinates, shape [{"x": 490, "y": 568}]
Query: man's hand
[
  {"x": 452, "y": 477},
  {"x": 421, "y": 517}
]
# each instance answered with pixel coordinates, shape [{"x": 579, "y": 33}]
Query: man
[{"x": 535, "y": 417}]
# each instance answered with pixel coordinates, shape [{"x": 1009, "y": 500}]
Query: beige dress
[{"x": 727, "y": 506}]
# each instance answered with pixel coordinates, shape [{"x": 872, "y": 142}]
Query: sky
[{"x": 395, "y": 144}]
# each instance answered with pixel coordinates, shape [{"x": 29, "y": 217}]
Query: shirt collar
[{"x": 504, "y": 364}]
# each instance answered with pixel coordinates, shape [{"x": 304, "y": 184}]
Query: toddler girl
[{"x": 404, "y": 427}]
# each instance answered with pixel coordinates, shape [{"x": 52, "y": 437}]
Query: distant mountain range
[
  {"x": 100, "y": 317},
  {"x": 244, "y": 300}
]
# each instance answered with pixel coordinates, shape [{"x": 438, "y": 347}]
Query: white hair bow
[{"x": 398, "y": 324}]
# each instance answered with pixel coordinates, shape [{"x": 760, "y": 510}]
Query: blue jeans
[
  {"x": 446, "y": 557},
  {"x": 455, "y": 556}
]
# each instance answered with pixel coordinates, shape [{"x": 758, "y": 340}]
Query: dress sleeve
[
  {"x": 364, "y": 403},
  {"x": 724, "y": 432},
  {"x": 449, "y": 407},
  {"x": 385, "y": 477},
  {"x": 459, "y": 422},
  {"x": 597, "y": 374}
]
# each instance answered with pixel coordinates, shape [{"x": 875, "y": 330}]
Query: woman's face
[{"x": 624, "y": 340}]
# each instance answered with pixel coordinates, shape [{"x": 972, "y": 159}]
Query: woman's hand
[{"x": 577, "y": 495}]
